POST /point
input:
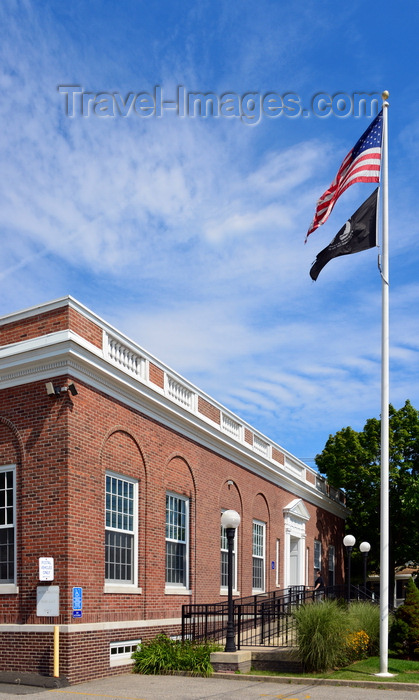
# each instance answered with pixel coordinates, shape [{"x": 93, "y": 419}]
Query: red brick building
[{"x": 116, "y": 470}]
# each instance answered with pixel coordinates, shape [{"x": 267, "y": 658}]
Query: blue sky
[{"x": 187, "y": 232}]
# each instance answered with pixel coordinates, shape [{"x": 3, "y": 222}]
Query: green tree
[
  {"x": 351, "y": 461},
  {"x": 404, "y": 634}
]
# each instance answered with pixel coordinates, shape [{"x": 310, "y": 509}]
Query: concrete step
[
  {"x": 276, "y": 659},
  {"x": 280, "y": 659}
]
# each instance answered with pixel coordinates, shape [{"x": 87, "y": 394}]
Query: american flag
[{"x": 362, "y": 164}]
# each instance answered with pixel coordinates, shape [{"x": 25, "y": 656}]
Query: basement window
[{"x": 120, "y": 652}]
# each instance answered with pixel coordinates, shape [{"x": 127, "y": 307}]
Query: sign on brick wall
[
  {"x": 48, "y": 601},
  {"x": 46, "y": 569}
]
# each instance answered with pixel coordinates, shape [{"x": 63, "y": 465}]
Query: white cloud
[{"x": 188, "y": 234}]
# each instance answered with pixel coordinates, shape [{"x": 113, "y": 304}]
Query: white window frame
[
  {"x": 116, "y": 585},
  {"x": 120, "y": 653},
  {"x": 317, "y": 556},
  {"x": 277, "y": 563},
  {"x": 259, "y": 554},
  {"x": 10, "y": 586},
  {"x": 174, "y": 588},
  {"x": 331, "y": 569},
  {"x": 224, "y": 551},
  {"x": 307, "y": 569}
]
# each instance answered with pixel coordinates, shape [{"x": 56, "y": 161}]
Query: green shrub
[
  {"x": 163, "y": 655},
  {"x": 322, "y": 630},
  {"x": 404, "y": 633},
  {"x": 364, "y": 617}
]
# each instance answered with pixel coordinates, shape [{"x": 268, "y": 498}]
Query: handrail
[{"x": 264, "y": 619}]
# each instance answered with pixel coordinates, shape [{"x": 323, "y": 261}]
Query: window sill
[
  {"x": 121, "y": 662},
  {"x": 7, "y": 588},
  {"x": 177, "y": 591},
  {"x": 224, "y": 591},
  {"x": 120, "y": 588}
]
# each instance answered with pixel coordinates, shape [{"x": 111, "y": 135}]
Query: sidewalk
[{"x": 218, "y": 687}]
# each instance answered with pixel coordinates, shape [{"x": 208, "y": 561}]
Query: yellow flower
[{"x": 358, "y": 643}]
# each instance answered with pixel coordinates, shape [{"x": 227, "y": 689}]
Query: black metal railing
[
  {"x": 356, "y": 593},
  {"x": 265, "y": 619}
]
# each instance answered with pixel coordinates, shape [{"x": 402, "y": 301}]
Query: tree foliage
[
  {"x": 351, "y": 461},
  {"x": 404, "y": 634}
]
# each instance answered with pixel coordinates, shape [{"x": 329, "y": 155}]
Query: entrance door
[
  {"x": 294, "y": 561},
  {"x": 295, "y": 517}
]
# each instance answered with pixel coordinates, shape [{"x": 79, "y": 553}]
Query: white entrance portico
[{"x": 295, "y": 517}]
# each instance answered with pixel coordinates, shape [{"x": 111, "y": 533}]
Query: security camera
[
  {"x": 50, "y": 388},
  {"x": 57, "y": 391}
]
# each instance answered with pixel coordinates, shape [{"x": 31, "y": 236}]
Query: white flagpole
[{"x": 384, "y": 515}]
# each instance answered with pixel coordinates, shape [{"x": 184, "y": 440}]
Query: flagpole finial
[{"x": 385, "y": 94}]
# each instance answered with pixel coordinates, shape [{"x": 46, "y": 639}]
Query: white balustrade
[
  {"x": 295, "y": 468},
  {"x": 320, "y": 484},
  {"x": 260, "y": 446},
  {"x": 180, "y": 393},
  {"x": 231, "y": 426},
  {"x": 125, "y": 358}
]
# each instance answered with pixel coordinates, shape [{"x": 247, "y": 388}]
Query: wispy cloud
[{"x": 187, "y": 234}]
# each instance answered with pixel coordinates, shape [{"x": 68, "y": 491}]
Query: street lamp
[
  {"x": 365, "y": 547},
  {"x": 230, "y": 520},
  {"x": 349, "y": 541}
]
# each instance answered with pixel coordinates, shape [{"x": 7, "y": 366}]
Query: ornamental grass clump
[
  {"x": 363, "y": 616},
  {"x": 164, "y": 655},
  {"x": 322, "y": 631}
]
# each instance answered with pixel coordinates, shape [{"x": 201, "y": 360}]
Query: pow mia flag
[{"x": 359, "y": 233}]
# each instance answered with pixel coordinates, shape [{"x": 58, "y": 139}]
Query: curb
[
  {"x": 32, "y": 679},
  {"x": 289, "y": 680}
]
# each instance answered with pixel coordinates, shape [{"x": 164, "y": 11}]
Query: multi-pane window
[
  {"x": 120, "y": 529},
  {"x": 258, "y": 578},
  {"x": 224, "y": 558},
  {"x": 120, "y": 653},
  {"x": 7, "y": 525},
  {"x": 331, "y": 566},
  {"x": 177, "y": 540},
  {"x": 317, "y": 557}
]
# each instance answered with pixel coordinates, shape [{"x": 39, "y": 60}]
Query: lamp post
[
  {"x": 349, "y": 541},
  {"x": 365, "y": 547},
  {"x": 230, "y": 520}
]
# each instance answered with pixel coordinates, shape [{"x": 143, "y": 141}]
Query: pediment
[{"x": 297, "y": 509}]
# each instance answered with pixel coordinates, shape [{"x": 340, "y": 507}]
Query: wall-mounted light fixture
[{"x": 57, "y": 391}]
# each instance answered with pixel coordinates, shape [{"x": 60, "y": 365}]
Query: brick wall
[
  {"x": 21, "y": 651},
  {"x": 83, "y": 655},
  {"x": 62, "y": 447},
  {"x": 63, "y": 318}
]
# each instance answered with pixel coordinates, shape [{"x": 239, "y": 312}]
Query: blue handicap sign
[{"x": 77, "y": 601}]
